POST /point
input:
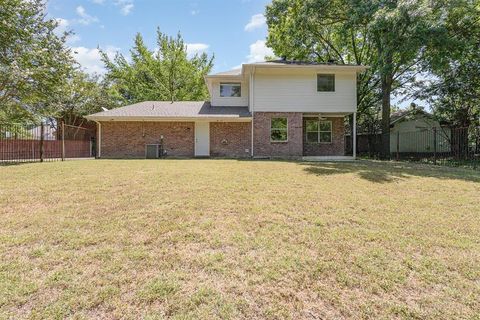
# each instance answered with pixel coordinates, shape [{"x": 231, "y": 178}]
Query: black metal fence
[
  {"x": 443, "y": 146},
  {"x": 44, "y": 142}
]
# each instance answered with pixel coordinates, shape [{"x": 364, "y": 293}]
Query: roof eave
[
  {"x": 214, "y": 76},
  {"x": 358, "y": 68},
  {"x": 232, "y": 118}
]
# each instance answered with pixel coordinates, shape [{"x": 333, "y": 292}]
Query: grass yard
[{"x": 189, "y": 239}]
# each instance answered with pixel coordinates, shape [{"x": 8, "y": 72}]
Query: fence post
[
  {"x": 42, "y": 130},
  {"x": 476, "y": 151},
  {"x": 398, "y": 145},
  {"x": 63, "y": 140},
  {"x": 434, "y": 145}
]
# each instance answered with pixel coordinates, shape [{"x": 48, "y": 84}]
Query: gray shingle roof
[
  {"x": 167, "y": 109},
  {"x": 307, "y": 63},
  {"x": 233, "y": 72}
]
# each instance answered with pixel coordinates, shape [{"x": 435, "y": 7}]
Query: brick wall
[
  {"x": 230, "y": 139},
  {"x": 227, "y": 139},
  {"x": 128, "y": 139},
  {"x": 336, "y": 148},
  {"x": 263, "y": 147}
]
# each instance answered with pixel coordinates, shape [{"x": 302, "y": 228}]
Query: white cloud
[
  {"x": 258, "y": 51},
  {"x": 62, "y": 25},
  {"x": 126, "y": 6},
  {"x": 126, "y": 9},
  {"x": 193, "y": 48},
  {"x": 90, "y": 59},
  {"x": 73, "y": 38},
  {"x": 256, "y": 21},
  {"x": 194, "y": 12},
  {"x": 85, "y": 18}
]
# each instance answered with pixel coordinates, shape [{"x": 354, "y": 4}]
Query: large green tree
[
  {"x": 34, "y": 60},
  {"x": 166, "y": 74},
  {"x": 81, "y": 94},
  {"x": 390, "y": 36},
  {"x": 453, "y": 85}
]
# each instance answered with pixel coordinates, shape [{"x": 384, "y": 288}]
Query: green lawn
[{"x": 238, "y": 239}]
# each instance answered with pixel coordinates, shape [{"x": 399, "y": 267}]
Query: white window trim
[
  {"x": 229, "y": 83},
  {"x": 334, "y": 83},
  {"x": 277, "y": 141},
  {"x": 319, "y": 131}
]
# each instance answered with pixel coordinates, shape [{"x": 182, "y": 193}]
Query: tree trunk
[{"x": 386, "y": 90}]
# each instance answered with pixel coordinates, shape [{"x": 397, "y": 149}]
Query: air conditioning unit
[{"x": 152, "y": 151}]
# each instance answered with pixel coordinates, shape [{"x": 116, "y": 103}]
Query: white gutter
[
  {"x": 309, "y": 66},
  {"x": 251, "y": 102},
  {"x": 166, "y": 119}
]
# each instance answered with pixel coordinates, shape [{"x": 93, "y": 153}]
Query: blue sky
[{"x": 233, "y": 30}]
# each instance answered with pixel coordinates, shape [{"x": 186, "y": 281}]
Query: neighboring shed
[{"x": 416, "y": 131}]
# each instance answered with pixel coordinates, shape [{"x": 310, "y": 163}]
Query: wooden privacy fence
[{"x": 42, "y": 142}]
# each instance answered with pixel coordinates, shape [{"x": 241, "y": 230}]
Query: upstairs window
[
  {"x": 325, "y": 82},
  {"x": 318, "y": 131},
  {"x": 230, "y": 90},
  {"x": 279, "y": 130}
]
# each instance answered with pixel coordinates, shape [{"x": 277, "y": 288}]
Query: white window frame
[
  {"x": 231, "y": 84},
  {"x": 334, "y": 82},
  {"x": 319, "y": 131},
  {"x": 306, "y": 130},
  {"x": 280, "y": 129}
]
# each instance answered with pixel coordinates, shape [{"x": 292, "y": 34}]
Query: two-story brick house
[{"x": 280, "y": 108}]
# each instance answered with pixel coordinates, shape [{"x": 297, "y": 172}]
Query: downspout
[
  {"x": 252, "y": 86},
  {"x": 99, "y": 143}
]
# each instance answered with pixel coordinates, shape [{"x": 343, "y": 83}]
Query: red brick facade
[
  {"x": 263, "y": 147},
  {"x": 230, "y": 139},
  {"x": 227, "y": 139},
  {"x": 335, "y": 148},
  {"x": 128, "y": 139}
]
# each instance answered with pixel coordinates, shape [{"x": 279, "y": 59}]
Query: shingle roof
[
  {"x": 305, "y": 63},
  {"x": 400, "y": 114},
  {"x": 167, "y": 109},
  {"x": 233, "y": 72}
]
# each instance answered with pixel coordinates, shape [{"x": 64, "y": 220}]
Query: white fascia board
[
  {"x": 223, "y": 76},
  {"x": 317, "y": 66},
  {"x": 170, "y": 119}
]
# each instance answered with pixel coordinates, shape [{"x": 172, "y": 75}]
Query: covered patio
[{"x": 324, "y": 136}]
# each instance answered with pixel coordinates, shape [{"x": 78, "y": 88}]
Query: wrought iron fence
[
  {"x": 458, "y": 147},
  {"x": 44, "y": 142}
]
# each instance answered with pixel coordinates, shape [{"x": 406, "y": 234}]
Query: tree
[
  {"x": 34, "y": 61},
  {"x": 453, "y": 87},
  {"x": 390, "y": 36},
  {"x": 167, "y": 74},
  {"x": 81, "y": 95}
]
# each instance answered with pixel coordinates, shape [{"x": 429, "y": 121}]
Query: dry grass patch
[{"x": 189, "y": 239}]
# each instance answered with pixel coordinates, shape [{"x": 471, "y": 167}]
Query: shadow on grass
[
  {"x": 370, "y": 170},
  {"x": 12, "y": 163},
  {"x": 387, "y": 172}
]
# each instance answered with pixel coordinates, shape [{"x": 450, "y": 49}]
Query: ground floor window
[
  {"x": 318, "y": 131},
  {"x": 279, "y": 130}
]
